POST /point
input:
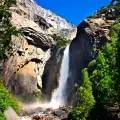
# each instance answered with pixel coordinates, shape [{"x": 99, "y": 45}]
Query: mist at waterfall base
[{"x": 59, "y": 95}]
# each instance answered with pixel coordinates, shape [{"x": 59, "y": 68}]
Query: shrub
[
  {"x": 92, "y": 64},
  {"x": 61, "y": 41}
]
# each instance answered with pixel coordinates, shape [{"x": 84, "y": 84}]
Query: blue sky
[{"x": 73, "y": 11}]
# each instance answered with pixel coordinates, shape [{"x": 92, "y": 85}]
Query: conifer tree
[{"x": 86, "y": 98}]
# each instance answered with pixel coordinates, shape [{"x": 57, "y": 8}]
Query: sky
[{"x": 74, "y": 11}]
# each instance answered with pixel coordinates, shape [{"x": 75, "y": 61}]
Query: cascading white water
[{"x": 59, "y": 95}]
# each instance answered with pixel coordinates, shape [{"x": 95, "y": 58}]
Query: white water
[{"x": 59, "y": 95}]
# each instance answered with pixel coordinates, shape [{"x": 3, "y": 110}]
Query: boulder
[{"x": 10, "y": 114}]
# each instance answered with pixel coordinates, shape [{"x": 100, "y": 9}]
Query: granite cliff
[{"x": 23, "y": 70}]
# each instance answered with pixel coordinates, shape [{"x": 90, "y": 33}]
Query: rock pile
[{"x": 39, "y": 113}]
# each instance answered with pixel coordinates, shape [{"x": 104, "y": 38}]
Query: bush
[
  {"x": 92, "y": 64},
  {"x": 61, "y": 41}
]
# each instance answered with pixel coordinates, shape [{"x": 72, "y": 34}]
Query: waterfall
[{"x": 59, "y": 95}]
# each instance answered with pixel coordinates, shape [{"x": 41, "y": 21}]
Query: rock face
[
  {"x": 92, "y": 35},
  {"x": 31, "y": 50}
]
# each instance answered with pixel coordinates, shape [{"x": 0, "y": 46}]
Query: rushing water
[{"x": 59, "y": 95}]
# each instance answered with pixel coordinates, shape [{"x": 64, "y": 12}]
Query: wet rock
[
  {"x": 32, "y": 112},
  {"x": 45, "y": 117},
  {"x": 58, "y": 113},
  {"x": 61, "y": 113},
  {"x": 36, "y": 117}
]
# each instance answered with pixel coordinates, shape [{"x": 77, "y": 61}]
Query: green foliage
[
  {"x": 109, "y": 16},
  {"x": 117, "y": 8},
  {"x": 104, "y": 10},
  {"x": 6, "y": 100},
  {"x": 106, "y": 74},
  {"x": 76, "y": 85},
  {"x": 1, "y": 82},
  {"x": 102, "y": 77},
  {"x": 86, "y": 99},
  {"x": 6, "y": 29},
  {"x": 9, "y": 2},
  {"x": 108, "y": 12},
  {"x": 2, "y": 117},
  {"x": 92, "y": 64},
  {"x": 116, "y": 29},
  {"x": 61, "y": 41}
]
